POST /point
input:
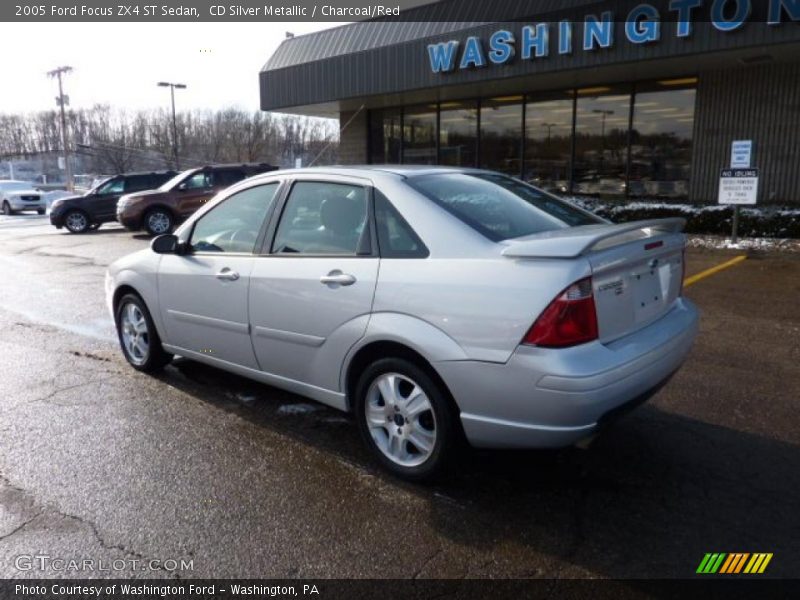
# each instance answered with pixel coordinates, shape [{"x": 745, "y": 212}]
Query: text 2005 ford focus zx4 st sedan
[{"x": 435, "y": 304}]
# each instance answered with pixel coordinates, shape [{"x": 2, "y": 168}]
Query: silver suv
[
  {"x": 435, "y": 304},
  {"x": 16, "y": 196}
]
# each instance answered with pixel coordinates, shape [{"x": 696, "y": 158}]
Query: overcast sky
[{"x": 120, "y": 63}]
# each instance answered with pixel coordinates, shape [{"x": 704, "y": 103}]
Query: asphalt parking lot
[{"x": 98, "y": 461}]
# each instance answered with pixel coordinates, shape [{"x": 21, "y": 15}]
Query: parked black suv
[{"x": 99, "y": 205}]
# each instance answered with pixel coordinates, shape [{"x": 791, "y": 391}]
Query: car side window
[
  {"x": 137, "y": 183},
  {"x": 115, "y": 186},
  {"x": 197, "y": 181},
  {"x": 234, "y": 224},
  {"x": 322, "y": 218},
  {"x": 396, "y": 238},
  {"x": 227, "y": 177}
]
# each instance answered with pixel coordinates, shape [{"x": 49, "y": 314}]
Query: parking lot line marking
[{"x": 703, "y": 274}]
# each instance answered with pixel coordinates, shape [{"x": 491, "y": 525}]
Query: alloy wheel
[
  {"x": 135, "y": 336},
  {"x": 158, "y": 222},
  {"x": 400, "y": 419},
  {"x": 76, "y": 222}
]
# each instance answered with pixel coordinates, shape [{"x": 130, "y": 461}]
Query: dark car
[
  {"x": 158, "y": 211},
  {"x": 99, "y": 205}
]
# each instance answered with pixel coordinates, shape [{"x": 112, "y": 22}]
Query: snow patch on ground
[
  {"x": 595, "y": 204},
  {"x": 717, "y": 242}
]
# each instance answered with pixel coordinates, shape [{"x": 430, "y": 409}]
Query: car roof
[
  {"x": 404, "y": 171},
  {"x": 136, "y": 173}
]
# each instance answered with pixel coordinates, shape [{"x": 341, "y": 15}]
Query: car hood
[
  {"x": 146, "y": 194},
  {"x": 70, "y": 198},
  {"x": 29, "y": 192}
]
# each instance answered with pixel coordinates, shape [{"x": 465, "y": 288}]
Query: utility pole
[
  {"x": 172, "y": 86},
  {"x": 549, "y": 129},
  {"x": 603, "y": 114},
  {"x": 61, "y": 101}
]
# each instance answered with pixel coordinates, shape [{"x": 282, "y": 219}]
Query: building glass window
[
  {"x": 384, "y": 136},
  {"x": 501, "y": 134},
  {"x": 601, "y": 141},
  {"x": 458, "y": 133},
  {"x": 548, "y": 141},
  {"x": 661, "y": 140},
  {"x": 575, "y": 141},
  {"x": 419, "y": 135}
]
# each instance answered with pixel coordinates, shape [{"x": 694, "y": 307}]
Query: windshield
[
  {"x": 15, "y": 186},
  {"x": 165, "y": 187},
  {"x": 498, "y": 206}
]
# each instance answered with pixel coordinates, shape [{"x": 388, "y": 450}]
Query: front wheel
[
  {"x": 405, "y": 419},
  {"x": 138, "y": 337},
  {"x": 7, "y": 209},
  {"x": 159, "y": 221},
  {"x": 76, "y": 221}
]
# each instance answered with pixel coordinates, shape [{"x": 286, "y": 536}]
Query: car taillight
[{"x": 569, "y": 320}]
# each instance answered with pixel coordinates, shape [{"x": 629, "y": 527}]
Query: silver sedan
[{"x": 436, "y": 304}]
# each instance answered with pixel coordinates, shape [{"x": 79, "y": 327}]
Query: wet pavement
[{"x": 98, "y": 461}]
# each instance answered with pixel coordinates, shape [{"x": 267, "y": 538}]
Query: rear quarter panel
[{"x": 486, "y": 305}]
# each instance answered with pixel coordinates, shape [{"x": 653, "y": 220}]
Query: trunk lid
[{"x": 637, "y": 268}]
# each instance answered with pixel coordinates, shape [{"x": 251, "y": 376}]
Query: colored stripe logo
[{"x": 734, "y": 563}]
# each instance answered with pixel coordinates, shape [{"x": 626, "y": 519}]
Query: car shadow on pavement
[{"x": 649, "y": 498}]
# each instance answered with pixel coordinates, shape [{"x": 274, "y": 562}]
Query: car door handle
[
  {"x": 336, "y": 277},
  {"x": 227, "y": 275}
]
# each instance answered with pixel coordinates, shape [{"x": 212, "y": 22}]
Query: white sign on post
[
  {"x": 741, "y": 154},
  {"x": 738, "y": 186}
]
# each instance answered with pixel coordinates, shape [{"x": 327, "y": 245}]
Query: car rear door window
[
  {"x": 500, "y": 207},
  {"x": 227, "y": 177},
  {"x": 234, "y": 224},
  {"x": 323, "y": 218},
  {"x": 137, "y": 183}
]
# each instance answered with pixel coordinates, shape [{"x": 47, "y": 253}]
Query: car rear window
[{"x": 499, "y": 207}]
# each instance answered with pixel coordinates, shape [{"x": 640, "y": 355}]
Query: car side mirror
[
  {"x": 167, "y": 243},
  {"x": 182, "y": 187}
]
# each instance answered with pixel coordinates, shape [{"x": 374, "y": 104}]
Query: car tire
[
  {"x": 7, "y": 209},
  {"x": 413, "y": 435},
  {"x": 158, "y": 221},
  {"x": 138, "y": 337},
  {"x": 76, "y": 221},
  {"x": 40, "y": 211}
]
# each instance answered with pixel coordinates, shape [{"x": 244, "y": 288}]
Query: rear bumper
[{"x": 551, "y": 398}]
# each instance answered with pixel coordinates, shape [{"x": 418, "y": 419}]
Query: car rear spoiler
[{"x": 575, "y": 241}]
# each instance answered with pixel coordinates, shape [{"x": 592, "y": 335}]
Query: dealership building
[{"x": 592, "y": 97}]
